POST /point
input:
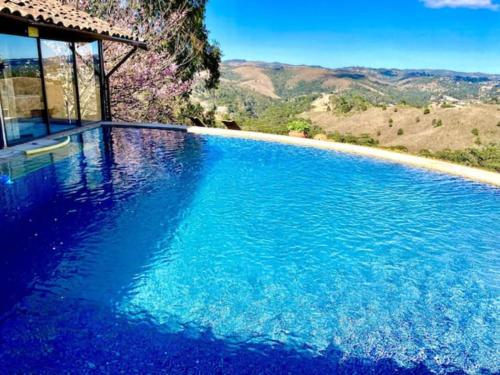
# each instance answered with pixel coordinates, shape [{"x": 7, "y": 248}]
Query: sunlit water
[{"x": 155, "y": 251}]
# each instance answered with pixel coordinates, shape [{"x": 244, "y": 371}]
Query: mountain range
[
  {"x": 416, "y": 110},
  {"x": 415, "y": 87}
]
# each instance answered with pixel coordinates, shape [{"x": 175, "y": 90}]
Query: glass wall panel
[
  {"x": 60, "y": 85},
  {"x": 89, "y": 85},
  {"x": 21, "y": 89}
]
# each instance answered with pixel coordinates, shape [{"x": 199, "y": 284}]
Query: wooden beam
[{"x": 121, "y": 62}]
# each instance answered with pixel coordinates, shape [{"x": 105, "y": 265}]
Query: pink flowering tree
[{"x": 154, "y": 85}]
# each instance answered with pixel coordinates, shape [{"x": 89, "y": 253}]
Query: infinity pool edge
[{"x": 470, "y": 173}]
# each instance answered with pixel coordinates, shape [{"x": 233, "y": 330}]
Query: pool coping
[{"x": 469, "y": 173}]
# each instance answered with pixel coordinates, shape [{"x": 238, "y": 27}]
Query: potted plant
[{"x": 299, "y": 128}]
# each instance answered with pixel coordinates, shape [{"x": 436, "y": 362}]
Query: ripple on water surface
[{"x": 259, "y": 244}]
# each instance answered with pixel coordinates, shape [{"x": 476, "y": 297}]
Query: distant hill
[
  {"x": 383, "y": 107},
  {"x": 388, "y": 86}
]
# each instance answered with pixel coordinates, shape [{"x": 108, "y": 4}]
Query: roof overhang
[
  {"x": 54, "y": 18},
  {"x": 75, "y": 32}
]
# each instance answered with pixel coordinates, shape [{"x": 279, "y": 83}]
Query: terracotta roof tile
[{"x": 55, "y": 13}]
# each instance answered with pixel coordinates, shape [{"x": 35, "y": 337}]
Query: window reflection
[
  {"x": 60, "y": 84},
  {"x": 21, "y": 89},
  {"x": 89, "y": 72}
]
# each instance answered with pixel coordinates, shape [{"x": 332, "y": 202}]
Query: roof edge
[{"x": 77, "y": 30}]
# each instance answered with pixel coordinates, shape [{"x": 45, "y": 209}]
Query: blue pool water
[{"x": 141, "y": 251}]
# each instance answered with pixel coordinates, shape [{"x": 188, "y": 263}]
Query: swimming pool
[{"x": 156, "y": 251}]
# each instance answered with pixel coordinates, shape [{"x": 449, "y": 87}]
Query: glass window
[
  {"x": 60, "y": 85},
  {"x": 21, "y": 89},
  {"x": 89, "y": 85}
]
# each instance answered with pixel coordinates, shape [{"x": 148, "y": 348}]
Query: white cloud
[{"x": 473, "y": 4}]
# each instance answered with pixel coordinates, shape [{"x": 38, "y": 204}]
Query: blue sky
[{"x": 461, "y": 35}]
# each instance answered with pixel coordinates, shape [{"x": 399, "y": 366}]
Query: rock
[{"x": 321, "y": 137}]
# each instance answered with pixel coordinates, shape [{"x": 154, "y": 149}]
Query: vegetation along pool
[{"x": 156, "y": 251}]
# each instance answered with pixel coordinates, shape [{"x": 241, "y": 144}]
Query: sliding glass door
[
  {"x": 60, "y": 84},
  {"x": 21, "y": 92},
  {"x": 47, "y": 86}
]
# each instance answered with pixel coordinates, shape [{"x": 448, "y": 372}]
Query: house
[{"x": 52, "y": 75}]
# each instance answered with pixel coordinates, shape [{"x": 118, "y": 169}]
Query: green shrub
[
  {"x": 391, "y": 122},
  {"x": 400, "y": 131},
  {"x": 498, "y": 124},
  {"x": 425, "y": 153},
  {"x": 299, "y": 126},
  {"x": 417, "y": 120},
  {"x": 475, "y": 132},
  {"x": 315, "y": 130},
  {"x": 437, "y": 123},
  {"x": 362, "y": 140},
  {"x": 447, "y": 105},
  {"x": 379, "y": 133},
  {"x": 427, "y": 111},
  {"x": 397, "y": 148},
  {"x": 395, "y": 109},
  {"x": 487, "y": 157}
]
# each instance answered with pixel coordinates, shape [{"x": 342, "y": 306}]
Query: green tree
[
  {"x": 299, "y": 125},
  {"x": 349, "y": 103}
]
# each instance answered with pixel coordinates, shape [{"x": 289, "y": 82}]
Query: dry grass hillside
[
  {"x": 374, "y": 107},
  {"x": 255, "y": 79},
  {"x": 461, "y": 127}
]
